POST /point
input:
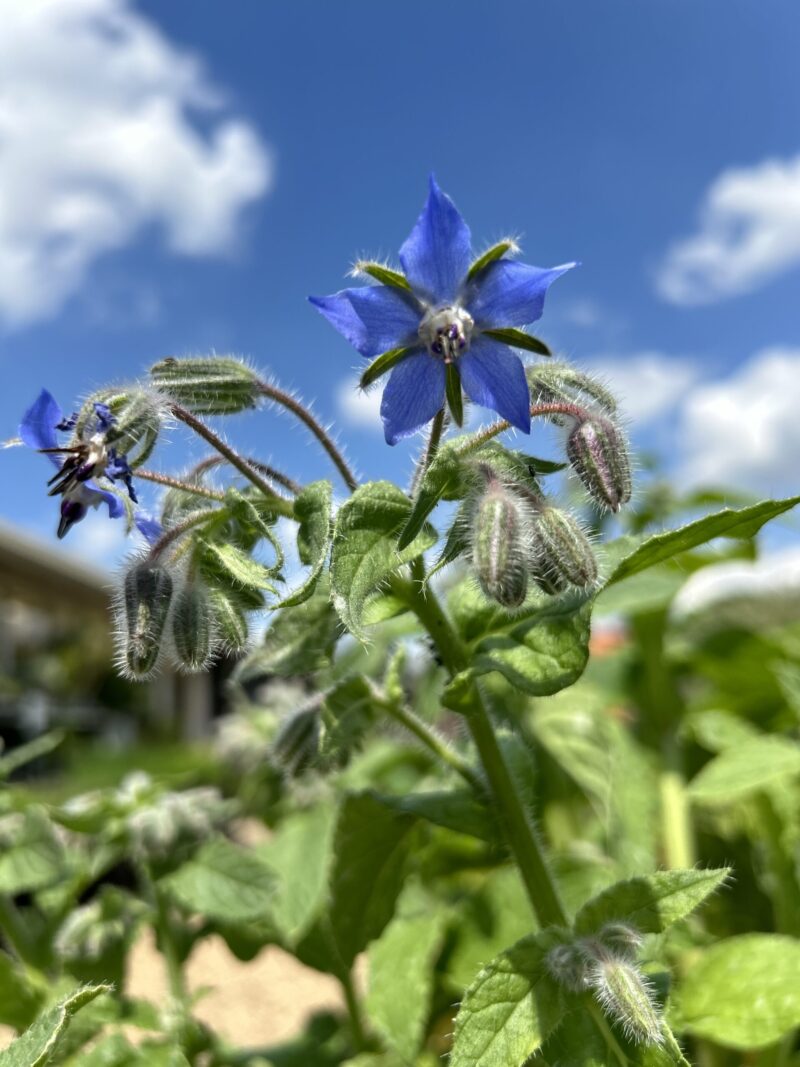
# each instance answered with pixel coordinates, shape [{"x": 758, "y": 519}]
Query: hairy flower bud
[
  {"x": 621, "y": 939},
  {"x": 207, "y": 385},
  {"x": 135, "y": 417},
  {"x": 598, "y": 453},
  {"x": 296, "y": 744},
  {"x": 625, "y": 996},
  {"x": 193, "y": 627},
  {"x": 498, "y": 551},
  {"x": 145, "y": 603},
  {"x": 568, "y": 966},
  {"x": 230, "y": 623},
  {"x": 562, "y": 555},
  {"x": 560, "y": 383}
]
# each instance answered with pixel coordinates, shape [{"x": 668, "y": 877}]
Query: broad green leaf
[
  {"x": 401, "y": 977},
  {"x": 236, "y": 566},
  {"x": 742, "y": 993},
  {"x": 746, "y": 768},
  {"x": 348, "y": 711},
  {"x": 370, "y": 849},
  {"x": 741, "y": 522},
  {"x": 299, "y": 855},
  {"x": 382, "y": 365},
  {"x": 35, "y": 858},
  {"x": 312, "y": 509},
  {"x": 222, "y": 881},
  {"x": 37, "y": 1046},
  {"x": 520, "y": 339},
  {"x": 578, "y": 1042},
  {"x": 20, "y": 999},
  {"x": 650, "y": 902},
  {"x": 456, "y": 809},
  {"x": 298, "y": 641},
  {"x": 497, "y": 251},
  {"x": 365, "y": 551},
  {"x": 510, "y": 1008},
  {"x": 541, "y": 652}
]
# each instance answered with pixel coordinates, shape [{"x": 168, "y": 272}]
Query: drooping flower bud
[
  {"x": 145, "y": 603},
  {"x": 498, "y": 546},
  {"x": 625, "y": 995},
  {"x": 129, "y": 421},
  {"x": 207, "y": 385},
  {"x": 230, "y": 623},
  {"x": 193, "y": 627},
  {"x": 621, "y": 939},
  {"x": 561, "y": 553},
  {"x": 296, "y": 744},
  {"x": 598, "y": 453}
]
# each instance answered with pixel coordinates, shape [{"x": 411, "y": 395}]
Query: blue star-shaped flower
[
  {"x": 79, "y": 464},
  {"x": 442, "y": 320}
]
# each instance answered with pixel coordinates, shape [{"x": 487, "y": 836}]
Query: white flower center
[{"x": 446, "y": 331}]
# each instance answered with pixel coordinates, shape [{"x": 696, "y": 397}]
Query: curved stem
[
  {"x": 272, "y": 473},
  {"x": 174, "y": 532},
  {"x": 286, "y": 400},
  {"x": 282, "y": 506},
  {"x": 537, "y": 411},
  {"x": 176, "y": 483}
]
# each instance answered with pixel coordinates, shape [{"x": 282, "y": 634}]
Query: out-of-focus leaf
[
  {"x": 299, "y": 641},
  {"x": 746, "y": 768},
  {"x": 38, "y": 1045},
  {"x": 34, "y": 858},
  {"x": 223, "y": 881}
]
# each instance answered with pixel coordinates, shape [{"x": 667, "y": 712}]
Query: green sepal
[
  {"x": 519, "y": 339},
  {"x": 382, "y": 365},
  {"x": 383, "y": 274},
  {"x": 455, "y": 400},
  {"x": 490, "y": 255}
]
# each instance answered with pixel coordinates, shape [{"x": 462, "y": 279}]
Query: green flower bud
[
  {"x": 598, "y": 453},
  {"x": 625, "y": 996},
  {"x": 569, "y": 967},
  {"x": 207, "y": 385},
  {"x": 296, "y": 745},
  {"x": 138, "y": 415},
  {"x": 621, "y": 939},
  {"x": 144, "y": 606},
  {"x": 562, "y": 555},
  {"x": 561, "y": 383},
  {"x": 230, "y": 623},
  {"x": 498, "y": 549},
  {"x": 193, "y": 627}
]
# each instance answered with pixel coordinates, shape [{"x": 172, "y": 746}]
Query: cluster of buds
[
  {"x": 157, "y": 821},
  {"x": 517, "y": 536},
  {"x": 605, "y": 965}
]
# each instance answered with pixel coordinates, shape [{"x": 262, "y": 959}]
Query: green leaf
[
  {"x": 741, "y": 522},
  {"x": 742, "y": 993},
  {"x": 510, "y": 1008},
  {"x": 497, "y": 251},
  {"x": 382, "y": 365},
  {"x": 520, "y": 339},
  {"x": 31, "y": 750},
  {"x": 579, "y": 1043},
  {"x": 743, "y": 769},
  {"x": 37, "y": 1046},
  {"x": 370, "y": 849},
  {"x": 456, "y": 809},
  {"x": 222, "y": 881},
  {"x": 313, "y": 511},
  {"x": 650, "y": 902},
  {"x": 19, "y": 998},
  {"x": 237, "y": 567},
  {"x": 718, "y": 730},
  {"x": 299, "y": 855},
  {"x": 299, "y": 641},
  {"x": 365, "y": 551},
  {"x": 540, "y": 652},
  {"x": 401, "y": 977},
  {"x": 455, "y": 399},
  {"x": 348, "y": 711},
  {"x": 383, "y": 274},
  {"x": 36, "y": 858}
]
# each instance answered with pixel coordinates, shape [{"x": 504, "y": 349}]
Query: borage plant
[{"x": 453, "y": 640}]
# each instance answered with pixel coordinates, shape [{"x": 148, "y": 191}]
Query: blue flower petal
[
  {"x": 38, "y": 426},
  {"x": 438, "y": 251},
  {"x": 150, "y": 529},
  {"x": 507, "y": 293},
  {"x": 494, "y": 377},
  {"x": 116, "y": 508},
  {"x": 374, "y": 318},
  {"x": 413, "y": 395}
]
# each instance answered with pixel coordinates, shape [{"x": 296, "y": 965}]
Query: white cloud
[
  {"x": 358, "y": 408},
  {"x": 749, "y": 232},
  {"x": 745, "y": 431},
  {"x": 647, "y": 384},
  {"x": 98, "y": 141}
]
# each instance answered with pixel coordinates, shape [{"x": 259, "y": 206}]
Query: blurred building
[{"x": 57, "y": 656}]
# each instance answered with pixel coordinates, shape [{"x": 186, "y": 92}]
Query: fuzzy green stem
[
  {"x": 537, "y": 411},
  {"x": 354, "y": 1011},
  {"x": 291, "y": 403},
  {"x": 522, "y": 837},
  {"x": 176, "y": 483},
  {"x": 174, "y": 532},
  {"x": 281, "y": 505},
  {"x": 433, "y": 741},
  {"x": 428, "y": 456}
]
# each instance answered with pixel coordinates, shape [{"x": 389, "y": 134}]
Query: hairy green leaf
[
  {"x": 222, "y": 881},
  {"x": 299, "y": 641},
  {"x": 312, "y": 510},
  {"x": 650, "y": 902},
  {"x": 38, "y": 1045}
]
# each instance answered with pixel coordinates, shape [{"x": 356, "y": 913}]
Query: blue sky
[{"x": 177, "y": 177}]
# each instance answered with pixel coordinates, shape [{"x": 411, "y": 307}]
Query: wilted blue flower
[
  {"x": 79, "y": 463},
  {"x": 441, "y": 320}
]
